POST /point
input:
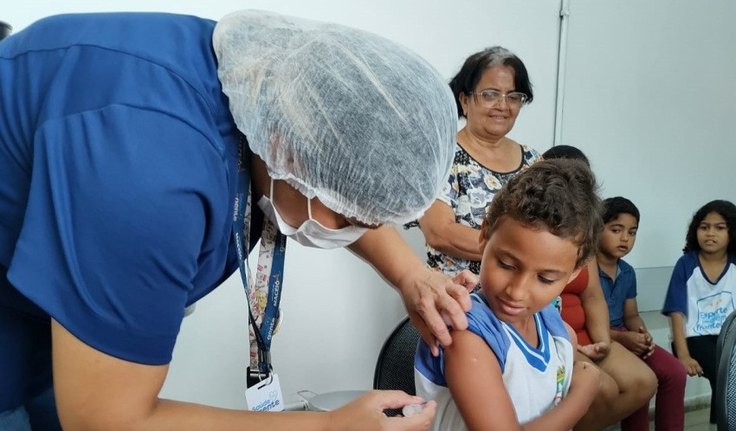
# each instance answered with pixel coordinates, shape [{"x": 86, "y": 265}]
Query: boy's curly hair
[{"x": 559, "y": 195}]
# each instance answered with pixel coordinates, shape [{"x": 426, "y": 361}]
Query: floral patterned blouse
[{"x": 468, "y": 191}]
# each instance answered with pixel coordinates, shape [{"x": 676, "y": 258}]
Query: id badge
[{"x": 265, "y": 396}]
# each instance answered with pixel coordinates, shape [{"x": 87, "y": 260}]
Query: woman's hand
[
  {"x": 366, "y": 413},
  {"x": 434, "y": 301},
  {"x": 595, "y": 351}
]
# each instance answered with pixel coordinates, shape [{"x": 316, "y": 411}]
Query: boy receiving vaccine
[{"x": 513, "y": 368}]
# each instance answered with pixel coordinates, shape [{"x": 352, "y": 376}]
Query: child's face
[
  {"x": 618, "y": 236},
  {"x": 524, "y": 268},
  {"x": 713, "y": 234}
]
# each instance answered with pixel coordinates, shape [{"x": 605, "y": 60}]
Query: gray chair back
[
  {"x": 5, "y": 30},
  {"x": 395, "y": 365},
  {"x": 725, "y": 393}
]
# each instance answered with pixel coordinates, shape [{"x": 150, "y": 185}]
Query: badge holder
[{"x": 265, "y": 395}]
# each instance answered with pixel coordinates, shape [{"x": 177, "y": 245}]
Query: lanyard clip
[
  {"x": 264, "y": 359},
  {"x": 262, "y": 372},
  {"x": 255, "y": 376}
]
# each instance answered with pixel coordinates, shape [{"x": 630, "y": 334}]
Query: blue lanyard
[{"x": 241, "y": 233}]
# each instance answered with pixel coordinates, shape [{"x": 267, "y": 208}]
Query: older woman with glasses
[{"x": 489, "y": 90}]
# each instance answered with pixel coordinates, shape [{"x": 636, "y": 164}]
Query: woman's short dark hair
[
  {"x": 558, "y": 195},
  {"x": 469, "y": 75},
  {"x": 725, "y": 209},
  {"x": 615, "y": 206}
]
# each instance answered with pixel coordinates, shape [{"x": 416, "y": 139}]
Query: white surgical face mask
[{"x": 311, "y": 233}]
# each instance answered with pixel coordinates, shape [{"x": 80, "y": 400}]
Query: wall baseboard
[
  {"x": 694, "y": 403},
  {"x": 691, "y": 404}
]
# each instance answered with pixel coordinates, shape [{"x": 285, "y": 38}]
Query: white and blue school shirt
[
  {"x": 704, "y": 304},
  {"x": 536, "y": 377}
]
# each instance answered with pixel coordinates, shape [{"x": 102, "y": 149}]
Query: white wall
[{"x": 650, "y": 99}]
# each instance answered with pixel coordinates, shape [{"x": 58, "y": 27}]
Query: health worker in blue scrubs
[{"x": 142, "y": 153}]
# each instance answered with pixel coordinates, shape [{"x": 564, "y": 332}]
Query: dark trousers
[
  {"x": 669, "y": 408},
  {"x": 38, "y": 414},
  {"x": 703, "y": 350}
]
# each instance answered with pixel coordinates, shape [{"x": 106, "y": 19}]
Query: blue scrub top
[{"x": 118, "y": 171}]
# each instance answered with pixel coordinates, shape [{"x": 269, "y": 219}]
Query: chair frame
[
  {"x": 724, "y": 351},
  {"x": 403, "y": 328}
]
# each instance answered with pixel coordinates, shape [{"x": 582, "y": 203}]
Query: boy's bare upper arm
[{"x": 473, "y": 373}]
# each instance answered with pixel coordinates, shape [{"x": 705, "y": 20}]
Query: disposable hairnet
[{"x": 347, "y": 116}]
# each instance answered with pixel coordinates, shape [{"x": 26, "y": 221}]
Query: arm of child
[
  {"x": 596, "y": 315},
  {"x": 586, "y": 382},
  {"x": 677, "y": 323},
  {"x": 469, "y": 352},
  {"x": 637, "y": 338},
  {"x": 473, "y": 373}
]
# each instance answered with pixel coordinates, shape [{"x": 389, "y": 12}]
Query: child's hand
[
  {"x": 649, "y": 340},
  {"x": 640, "y": 343},
  {"x": 596, "y": 351},
  {"x": 692, "y": 366},
  {"x": 586, "y": 379}
]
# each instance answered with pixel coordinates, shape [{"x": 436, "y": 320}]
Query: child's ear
[
  {"x": 577, "y": 270},
  {"x": 575, "y": 273}
]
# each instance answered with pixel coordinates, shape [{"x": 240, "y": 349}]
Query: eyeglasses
[{"x": 490, "y": 98}]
